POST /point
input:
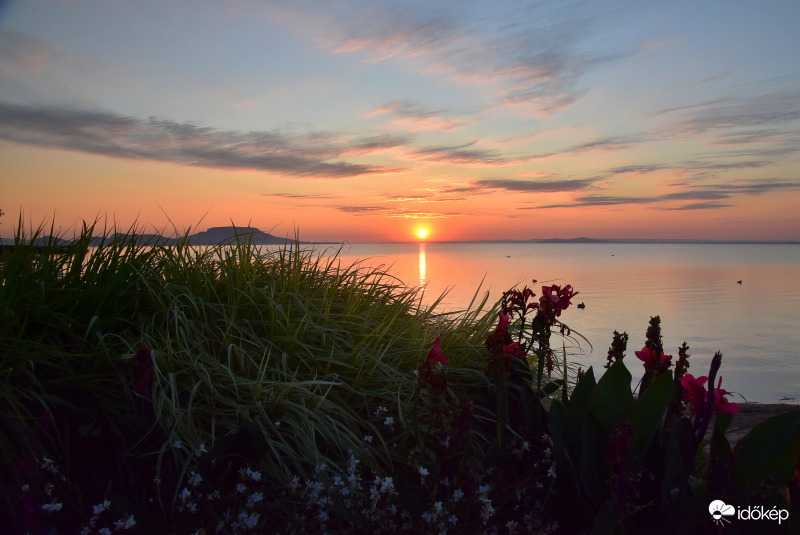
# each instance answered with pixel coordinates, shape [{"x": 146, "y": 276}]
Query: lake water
[{"x": 693, "y": 287}]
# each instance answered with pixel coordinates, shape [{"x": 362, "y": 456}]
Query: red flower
[
  {"x": 720, "y": 403},
  {"x": 697, "y": 395},
  {"x": 513, "y": 350},
  {"x": 435, "y": 354},
  {"x": 559, "y": 297},
  {"x": 503, "y": 322},
  {"x": 695, "y": 392}
]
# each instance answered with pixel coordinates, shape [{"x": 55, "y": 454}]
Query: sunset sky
[{"x": 367, "y": 121}]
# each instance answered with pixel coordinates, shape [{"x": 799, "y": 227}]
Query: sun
[{"x": 422, "y": 233}]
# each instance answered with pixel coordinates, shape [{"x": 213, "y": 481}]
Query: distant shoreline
[{"x": 229, "y": 235}]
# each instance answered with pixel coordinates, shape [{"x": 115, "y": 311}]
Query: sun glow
[{"x": 422, "y": 233}]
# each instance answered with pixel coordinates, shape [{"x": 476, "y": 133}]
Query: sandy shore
[{"x": 752, "y": 413}]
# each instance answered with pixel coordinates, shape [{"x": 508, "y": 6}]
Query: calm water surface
[{"x": 693, "y": 287}]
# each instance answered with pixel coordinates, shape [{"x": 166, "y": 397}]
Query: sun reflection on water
[{"x": 423, "y": 269}]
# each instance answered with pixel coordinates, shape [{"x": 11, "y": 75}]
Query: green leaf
[
  {"x": 769, "y": 450},
  {"x": 605, "y": 519},
  {"x": 648, "y": 412},
  {"x": 593, "y": 460},
  {"x": 612, "y": 400},
  {"x": 677, "y": 434},
  {"x": 578, "y": 405}
]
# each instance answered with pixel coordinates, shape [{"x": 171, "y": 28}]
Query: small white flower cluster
[
  {"x": 54, "y": 505},
  {"x": 360, "y": 500},
  {"x": 487, "y": 510},
  {"x": 98, "y": 517}
]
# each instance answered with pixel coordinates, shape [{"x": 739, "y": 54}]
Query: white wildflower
[
  {"x": 457, "y": 495},
  {"x": 128, "y": 523},
  {"x": 387, "y": 485},
  {"x": 241, "y": 487},
  {"x": 551, "y": 472},
  {"x": 195, "y": 478},
  {"x": 52, "y": 507},
  {"x": 255, "y": 476},
  {"x": 368, "y": 439},
  {"x": 255, "y": 498},
  {"x": 389, "y": 421},
  {"x": 487, "y": 511},
  {"x": 104, "y": 531},
  {"x": 177, "y": 444},
  {"x": 250, "y": 521},
  {"x": 192, "y": 507},
  {"x": 423, "y": 472},
  {"x": 99, "y": 508},
  {"x": 185, "y": 494}
]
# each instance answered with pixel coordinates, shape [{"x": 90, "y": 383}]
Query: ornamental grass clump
[{"x": 124, "y": 358}]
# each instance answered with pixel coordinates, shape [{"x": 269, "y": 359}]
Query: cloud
[
  {"x": 744, "y": 113},
  {"x": 638, "y": 169},
  {"x": 28, "y": 53},
  {"x": 414, "y": 117},
  {"x": 362, "y": 209},
  {"x": 533, "y": 63},
  {"x": 464, "y": 154},
  {"x": 708, "y": 195},
  {"x": 715, "y": 102},
  {"x": 534, "y": 185},
  {"x": 109, "y": 134},
  {"x": 701, "y": 206},
  {"x": 723, "y": 74},
  {"x": 300, "y": 196}
]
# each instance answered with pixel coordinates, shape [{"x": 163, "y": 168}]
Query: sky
[{"x": 368, "y": 121}]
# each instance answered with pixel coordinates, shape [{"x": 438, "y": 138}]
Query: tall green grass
[{"x": 284, "y": 357}]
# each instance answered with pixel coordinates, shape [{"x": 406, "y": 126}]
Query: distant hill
[
  {"x": 571, "y": 240},
  {"x": 212, "y": 236},
  {"x": 229, "y": 235}
]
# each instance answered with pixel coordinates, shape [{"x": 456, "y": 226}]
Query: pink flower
[
  {"x": 697, "y": 395},
  {"x": 559, "y": 297},
  {"x": 720, "y": 403},
  {"x": 653, "y": 359},
  {"x": 502, "y": 324},
  {"x": 513, "y": 350},
  {"x": 695, "y": 392},
  {"x": 435, "y": 354}
]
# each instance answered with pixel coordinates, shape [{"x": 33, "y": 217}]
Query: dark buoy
[
  {"x": 738, "y": 282},
  {"x": 581, "y": 305}
]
